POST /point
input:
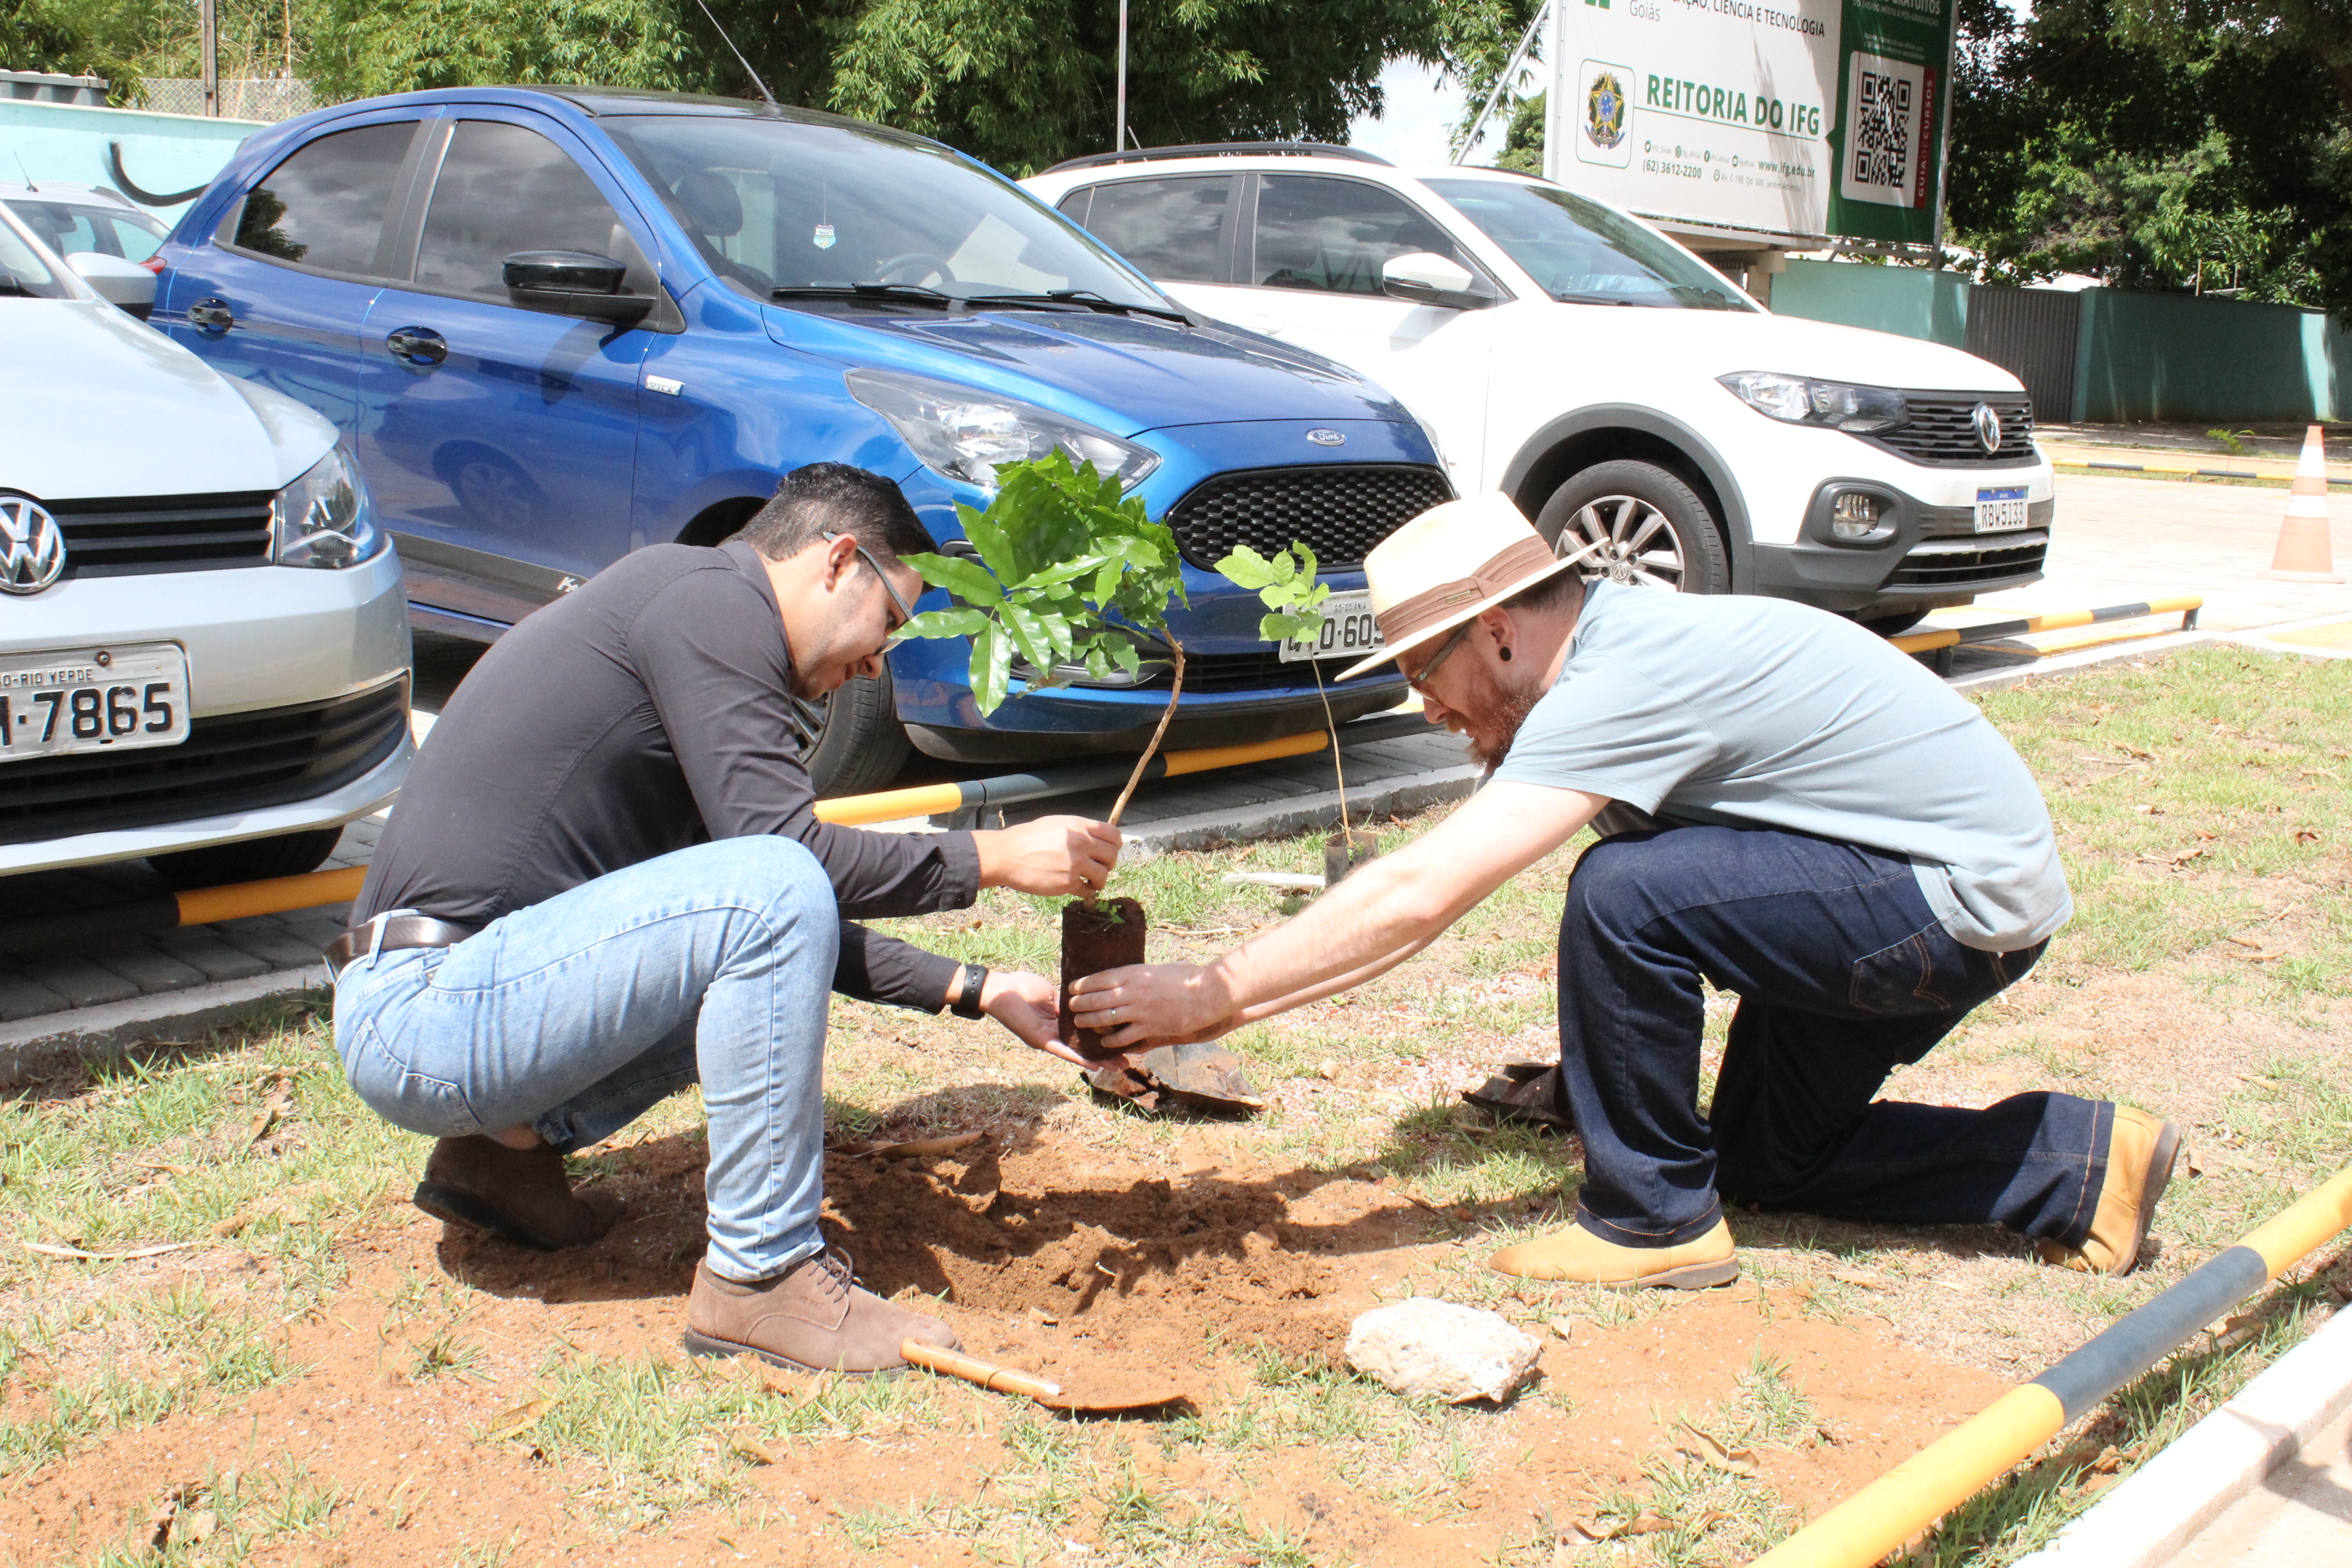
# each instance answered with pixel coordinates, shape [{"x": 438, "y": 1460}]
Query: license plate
[
  {"x": 1999, "y": 511},
  {"x": 1348, "y": 631},
  {"x": 62, "y": 700}
]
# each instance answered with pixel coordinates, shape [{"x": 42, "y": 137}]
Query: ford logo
[
  {"x": 1327, "y": 438},
  {"x": 32, "y": 546},
  {"x": 1987, "y": 419}
]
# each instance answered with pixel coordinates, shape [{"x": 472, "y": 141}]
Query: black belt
[{"x": 399, "y": 931}]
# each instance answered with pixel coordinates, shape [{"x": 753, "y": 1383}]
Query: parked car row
[{"x": 496, "y": 338}]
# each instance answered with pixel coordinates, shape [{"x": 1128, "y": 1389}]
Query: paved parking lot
[{"x": 2118, "y": 540}]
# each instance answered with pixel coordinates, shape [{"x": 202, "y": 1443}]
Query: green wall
[
  {"x": 1907, "y": 300},
  {"x": 2138, "y": 356}
]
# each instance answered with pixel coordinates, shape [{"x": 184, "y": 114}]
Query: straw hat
[{"x": 1419, "y": 590}]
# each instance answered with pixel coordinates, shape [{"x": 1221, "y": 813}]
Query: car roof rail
[{"x": 1225, "y": 149}]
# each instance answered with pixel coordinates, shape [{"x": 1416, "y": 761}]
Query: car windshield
[
  {"x": 1584, "y": 253},
  {"x": 69, "y": 226},
  {"x": 25, "y": 273},
  {"x": 779, "y": 206}
]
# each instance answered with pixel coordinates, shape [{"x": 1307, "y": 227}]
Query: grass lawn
[{"x": 316, "y": 1372}]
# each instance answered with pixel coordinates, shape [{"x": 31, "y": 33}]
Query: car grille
[
  {"x": 1208, "y": 673},
  {"x": 1941, "y": 431},
  {"x": 1945, "y": 563},
  {"x": 233, "y": 761},
  {"x": 1338, "y": 510},
  {"x": 128, "y": 536}
]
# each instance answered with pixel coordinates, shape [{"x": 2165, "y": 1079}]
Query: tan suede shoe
[
  {"x": 813, "y": 1317},
  {"x": 1575, "y": 1254},
  {"x": 521, "y": 1194},
  {"x": 2140, "y": 1152}
]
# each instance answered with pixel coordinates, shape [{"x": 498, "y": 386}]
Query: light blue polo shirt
[{"x": 1753, "y": 712}]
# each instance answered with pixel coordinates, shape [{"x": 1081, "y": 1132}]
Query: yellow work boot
[
  {"x": 1576, "y": 1254},
  {"x": 2140, "y": 1152}
]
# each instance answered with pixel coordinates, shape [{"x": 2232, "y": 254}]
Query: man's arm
[
  {"x": 877, "y": 968},
  {"x": 1380, "y": 915}
]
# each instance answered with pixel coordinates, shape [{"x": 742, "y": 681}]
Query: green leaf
[
  {"x": 1245, "y": 568},
  {"x": 1077, "y": 566},
  {"x": 1029, "y": 635},
  {"x": 967, "y": 579},
  {"x": 991, "y": 668},
  {"x": 988, "y": 538},
  {"x": 1283, "y": 627},
  {"x": 950, "y": 622}
]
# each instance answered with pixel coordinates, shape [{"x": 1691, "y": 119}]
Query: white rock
[{"x": 1424, "y": 1346}]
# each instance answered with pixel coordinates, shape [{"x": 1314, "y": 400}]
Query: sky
[{"x": 1423, "y": 106}]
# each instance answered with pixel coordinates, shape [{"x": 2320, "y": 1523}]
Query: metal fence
[
  {"x": 2032, "y": 333},
  {"x": 241, "y": 97}
]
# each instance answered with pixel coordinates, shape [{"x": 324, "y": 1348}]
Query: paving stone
[
  {"x": 23, "y": 998},
  {"x": 83, "y": 983},
  {"x": 147, "y": 967},
  {"x": 199, "y": 947},
  {"x": 267, "y": 938}
]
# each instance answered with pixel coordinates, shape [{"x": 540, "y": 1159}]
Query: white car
[
  {"x": 204, "y": 643},
  {"x": 1633, "y": 401}
]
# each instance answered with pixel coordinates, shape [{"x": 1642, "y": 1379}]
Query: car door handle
[
  {"x": 211, "y": 317},
  {"x": 417, "y": 345}
]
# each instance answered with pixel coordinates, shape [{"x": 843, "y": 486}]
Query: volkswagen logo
[
  {"x": 1327, "y": 438},
  {"x": 1987, "y": 419},
  {"x": 32, "y": 546}
]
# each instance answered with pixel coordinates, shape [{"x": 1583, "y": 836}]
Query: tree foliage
[
  {"x": 1285, "y": 583},
  {"x": 2157, "y": 144},
  {"x": 371, "y": 47},
  {"x": 1064, "y": 563}
]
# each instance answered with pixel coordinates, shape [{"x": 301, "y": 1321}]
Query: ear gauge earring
[{"x": 1504, "y": 654}]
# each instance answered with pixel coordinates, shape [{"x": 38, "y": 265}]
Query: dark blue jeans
[{"x": 1844, "y": 975}]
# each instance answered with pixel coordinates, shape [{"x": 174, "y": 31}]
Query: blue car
[{"x": 558, "y": 324}]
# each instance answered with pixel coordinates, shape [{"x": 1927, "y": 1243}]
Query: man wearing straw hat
[{"x": 1792, "y": 811}]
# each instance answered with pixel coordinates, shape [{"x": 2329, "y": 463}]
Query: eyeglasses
[
  {"x": 906, "y": 611},
  {"x": 1444, "y": 651}
]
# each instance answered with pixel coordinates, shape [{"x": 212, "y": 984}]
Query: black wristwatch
[{"x": 967, "y": 1005}]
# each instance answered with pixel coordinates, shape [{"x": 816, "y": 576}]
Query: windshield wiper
[
  {"x": 908, "y": 293},
  {"x": 1084, "y": 298}
]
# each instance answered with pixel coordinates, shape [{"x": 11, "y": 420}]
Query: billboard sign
[{"x": 1812, "y": 118}]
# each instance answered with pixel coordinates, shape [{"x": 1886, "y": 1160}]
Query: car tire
[
  {"x": 852, "y": 742},
  {"x": 1639, "y": 523},
  {"x": 251, "y": 860},
  {"x": 1893, "y": 625}
]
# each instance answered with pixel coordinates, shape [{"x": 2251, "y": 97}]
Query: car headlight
[
  {"x": 965, "y": 433},
  {"x": 325, "y": 518},
  {"x": 1865, "y": 410}
]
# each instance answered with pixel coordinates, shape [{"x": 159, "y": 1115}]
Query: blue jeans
[
  {"x": 1844, "y": 975},
  {"x": 577, "y": 1015}
]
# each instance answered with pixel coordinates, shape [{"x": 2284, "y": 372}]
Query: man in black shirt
[{"x": 606, "y": 880}]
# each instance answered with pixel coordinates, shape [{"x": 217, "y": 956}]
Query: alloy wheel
[{"x": 1626, "y": 540}]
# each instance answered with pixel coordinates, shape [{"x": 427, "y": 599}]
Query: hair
[
  {"x": 1560, "y": 591},
  {"x": 835, "y": 498}
]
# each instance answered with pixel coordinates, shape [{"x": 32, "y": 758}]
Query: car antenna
[
  {"x": 26, "y": 173},
  {"x": 762, "y": 86}
]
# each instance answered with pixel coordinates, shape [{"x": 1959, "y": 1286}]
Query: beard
[{"x": 1492, "y": 715}]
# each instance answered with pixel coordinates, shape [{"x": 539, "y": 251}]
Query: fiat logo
[
  {"x": 1327, "y": 438},
  {"x": 1987, "y": 419},
  {"x": 32, "y": 546}
]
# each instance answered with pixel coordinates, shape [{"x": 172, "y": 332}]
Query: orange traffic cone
[{"x": 2304, "y": 553}]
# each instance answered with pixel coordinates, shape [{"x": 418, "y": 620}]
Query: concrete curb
[
  {"x": 33, "y": 1049},
  {"x": 1298, "y": 813},
  {"x": 2151, "y": 1516}
]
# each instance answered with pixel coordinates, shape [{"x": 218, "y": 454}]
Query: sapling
[
  {"x": 1285, "y": 583},
  {"x": 1068, "y": 575}
]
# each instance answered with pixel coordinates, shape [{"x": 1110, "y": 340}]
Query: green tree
[{"x": 371, "y": 47}]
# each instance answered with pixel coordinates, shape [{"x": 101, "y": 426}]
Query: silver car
[{"x": 204, "y": 642}]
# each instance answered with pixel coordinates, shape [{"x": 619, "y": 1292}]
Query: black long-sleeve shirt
[{"x": 647, "y": 710}]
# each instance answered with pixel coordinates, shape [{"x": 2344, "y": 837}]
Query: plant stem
[
  {"x": 1175, "y": 691},
  {"x": 1346, "y": 833}
]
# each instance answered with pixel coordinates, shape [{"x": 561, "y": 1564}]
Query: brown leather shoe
[
  {"x": 520, "y": 1194},
  {"x": 1576, "y": 1254},
  {"x": 813, "y": 1317},
  {"x": 2140, "y": 1152}
]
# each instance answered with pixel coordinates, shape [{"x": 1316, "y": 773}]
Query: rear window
[
  {"x": 326, "y": 206},
  {"x": 1172, "y": 229}
]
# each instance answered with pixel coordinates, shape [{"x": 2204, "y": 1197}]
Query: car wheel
[
  {"x": 286, "y": 855},
  {"x": 1636, "y": 522},
  {"x": 851, "y": 740},
  {"x": 1893, "y": 625}
]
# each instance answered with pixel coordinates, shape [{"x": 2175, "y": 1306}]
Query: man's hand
[
  {"x": 1051, "y": 855},
  {"x": 1029, "y": 1006},
  {"x": 1165, "y": 1003}
]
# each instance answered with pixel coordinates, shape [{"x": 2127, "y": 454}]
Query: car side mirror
[
  {"x": 1427, "y": 278},
  {"x": 573, "y": 283},
  {"x": 117, "y": 281}
]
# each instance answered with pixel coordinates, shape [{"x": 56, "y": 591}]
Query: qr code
[{"x": 1883, "y": 127}]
